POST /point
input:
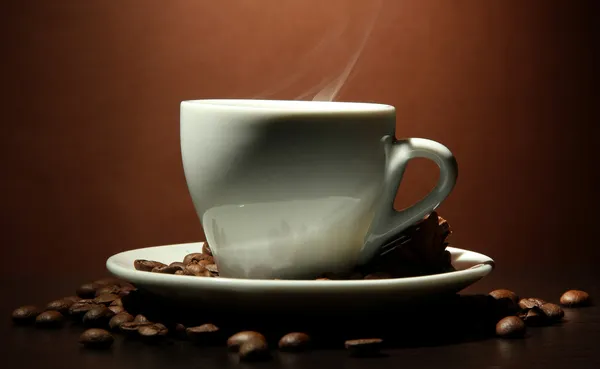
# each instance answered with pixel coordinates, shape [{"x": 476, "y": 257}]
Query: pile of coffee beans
[{"x": 110, "y": 307}]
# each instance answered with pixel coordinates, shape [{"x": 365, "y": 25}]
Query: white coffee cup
[{"x": 292, "y": 189}]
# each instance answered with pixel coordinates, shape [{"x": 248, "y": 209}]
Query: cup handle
[{"x": 388, "y": 223}]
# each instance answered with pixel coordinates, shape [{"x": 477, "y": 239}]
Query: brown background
[{"x": 90, "y": 134}]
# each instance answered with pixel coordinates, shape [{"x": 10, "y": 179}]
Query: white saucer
[{"x": 276, "y": 294}]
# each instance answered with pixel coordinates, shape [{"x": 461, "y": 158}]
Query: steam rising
[{"x": 328, "y": 88}]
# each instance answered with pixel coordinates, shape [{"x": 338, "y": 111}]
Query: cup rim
[{"x": 293, "y": 106}]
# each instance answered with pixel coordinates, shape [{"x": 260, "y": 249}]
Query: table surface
[{"x": 572, "y": 344}]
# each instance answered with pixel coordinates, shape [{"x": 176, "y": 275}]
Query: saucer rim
[{"x": 136, "y": 276}]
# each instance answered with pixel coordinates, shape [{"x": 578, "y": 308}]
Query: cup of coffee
[{"x": 293, "y": 189}]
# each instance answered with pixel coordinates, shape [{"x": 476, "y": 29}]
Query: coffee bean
[
  {"x": 378, "y": 275},
  {"x": 178, "y": 264},
  {"x": 62, "y": 306},
  {"x": 141, "y": 319},
  {"x": 78, "y": 309},
  {"x": 120, "y": 318},
  {"x": 206, "y": 249},
  {"x": 25, "y": 314},
  {"x": 146, "y": 265},
  {"x": 167, "y": 269},
  {"x": 205, "y": 333},
  {"x": 126, "y": 290},
  {"x": 153, "y": 332},
  {"x": 180, "y": 331},
  {"x": 197, "y": 270},
  {"x": 130, "y": 329},
  {"x": 511, "y": 327},
  {"x": 505, "y": 294},
  {"x": 534, "y": 317},
  {"x": 234, "y": 342},
  {"x": 179, "y": 272},
  {"x": 98, "y": 317},
  {"x": 96, "y": 338},
  {"x": 212, "y": 268},
  {"x": 117, "y": 302},
  {"x": 364, "y": 347},
  {"x": 575, "y": 298},
  {"x": 49, "y": 319},
  {"x": 195, "y": 257},
  {"x": 254, "y": 350},
  {"x": 531, "y": 302},
  {"x": 116, "y": 309},
  {"x": 106, "y": 299},
  {"x": 295, "y": 341},
  {"x": 553, "y": 312},
  {"x": 110, "y": 289},
  {"x": 87, "y": 291}
]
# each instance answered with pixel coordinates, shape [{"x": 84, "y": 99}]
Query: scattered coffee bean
[
  {"x": 575, "y": 298},
  {"x": 87, "y": 291},
  {"x": 531, "y": 302},
  {"x": 212, "y": 269},
  {"x": 534, "y": 317},
  {"x": 153, "y": 332},
  {"x": 206, "y": 249},
  {"x": 553, "y": 312},
  {"x": 197, "y": 269},
  {"x": 378, "y": 275},
  {"x": 109, "y": 289},
  {"x": 130, "y": 329},
  {"x": 62, "y": 306},
  {"x": 234, "y": 342},
  {"x": 116, "y": 309},
  {"x": 364, "y": 347},
  {"x": 511, "y": 327},
  {"x": 106, "y": 299},
  {"x": 120, "y": 318},
  {"x": 178, "y": 264},
  {"x": 117, "y": 302},
  {"x": 179, "y": 272},
  {"x": 126, "y": 290},
  {"x": 25, "y": 314},
  {"x": 96, "y": 338},
  {"x": 49, "y": 319},
  {"x": 205, "y": 333},
  {"x": 146, "y": 265},
  {"x": 295, "y": 341},
  {"x": 98, "y": 317},
  {"x": 505, "y": 294},
  {"x": 141, "y": 319},
  {"x": 195, "y": 257},
  {"x": 166, "y": 269},
  {"x": 254, "y": 350},
  {"x": 78, "y": 309}
]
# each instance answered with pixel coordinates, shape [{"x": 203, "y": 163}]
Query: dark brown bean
[
  {"x": 205, "y": 333},
  {"x": 25, "y": 314},
  {"x": 534, "y": 317},
  {"x": 167, "y": 269},
  {"x": 254, "y": 350},
  {"x": 49, "y": 319},
  {"x": 78, "y": 309},
  {"x": 106, "y": 299},
  {"x": 575, "y": 298},
  {"x": 195, "y": 257},
  {"x": 505, "y": 294},
  {"x": 206, "y": 249},
  {"x": 117, "y": 302},
  {"x": 196, "y": 270},
  {"x": 364, "y": 347},
  {"x": 146, "y": 265},
  {"x": 98, "y": 317},
  {"x": 180, "y": 272},
  {"x": 116, "y": 309},
  {"x": 295, "y": 341},
  {"x": 180, "y": 331},
  {"x": 87, "y": 291},
  {"x": 553, "y": 312},
  {"x": 531, "y": 302},
  {"x": 212, "y": 268},
  {"x": 234, "y": 342},
  {"x": 96, "y": 338},
  {"x": 178, "y": 264},
  {"x": 511, "y": 327},
  {"x": 109, "y": 289},
  {"x": 116, "y": 321},
  {"x": 130, "y": 329},
  {"x": 141, "y": 319},
  {"x": 153, "y": 332},
  {"x": 62, "y": 306}
]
